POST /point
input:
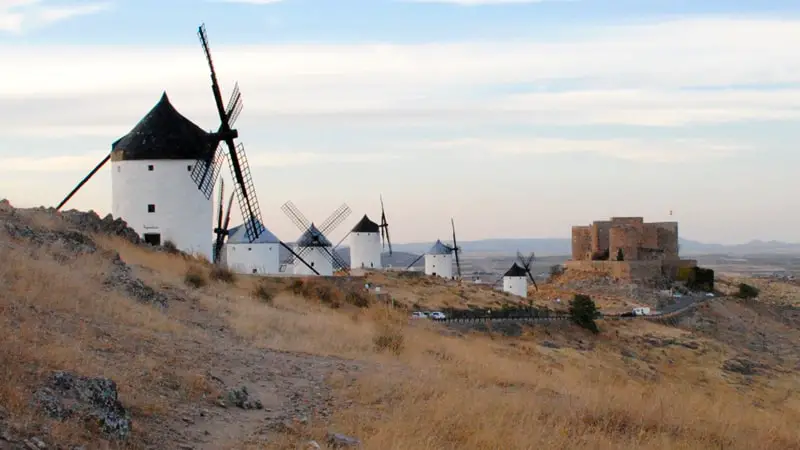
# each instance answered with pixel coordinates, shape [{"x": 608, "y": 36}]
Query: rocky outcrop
[{"x": 92, "y": 399}]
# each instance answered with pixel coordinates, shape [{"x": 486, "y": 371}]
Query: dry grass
[{"x": 428, "y": 389}]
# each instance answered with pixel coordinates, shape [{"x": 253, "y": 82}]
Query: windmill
[
  {"x": 367, "y": 241},
  {"x": 313, "y": 244},
  {"x": 515, "y": 279},
  {"x": 439, "y": 259}
]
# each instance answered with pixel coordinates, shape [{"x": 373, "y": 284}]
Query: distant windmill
[
  {"x": 366, "y": 244},
  {"x": 312, "y": 244},
  {"x": 439, "y": 259},
  {"x": 515, "y": 280}
]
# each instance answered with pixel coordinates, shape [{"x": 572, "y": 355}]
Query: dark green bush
[{"x": 583, "y": 311}]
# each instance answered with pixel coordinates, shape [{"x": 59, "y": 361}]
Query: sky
[{"x": 516, "y": 118}]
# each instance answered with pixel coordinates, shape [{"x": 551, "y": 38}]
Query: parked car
[
  {"x": 437, "y": 315},
  {"x": 419, "y": 315}
]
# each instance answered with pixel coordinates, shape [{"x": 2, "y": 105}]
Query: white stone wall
[
  {"x": 516, "y": 286},
  {"x": 365, "y": 251},
  {"x": 182, "y": 214},
  {"x": 255, "y": 259},
  {"x": 440, "y": 265}
]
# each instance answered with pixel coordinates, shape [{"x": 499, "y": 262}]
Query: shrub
[
  {"x": 357, "y": 298},
  {"x": 264, "y": 293},
  {"x": 170, "y": 247},
  {"x": 317, "y": 289},
  {"x": 747, "y": 291},
  {"x": 389, "y": 338},
  {"x": 223, "y": 274},
  {"x": 583, "y": 311},
  {"x": 195, "y": 277},
  {"x": 556, "y": 270}
]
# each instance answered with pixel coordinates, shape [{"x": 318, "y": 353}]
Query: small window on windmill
[
  {"x": 150, "y": 167},
  {"x": 249, "y": 249},
  {"x": 151, "y": 208},
  {"x": 189, "y": 168},
  {"x": 119, "y": 169},
  {"x": 255, "y": 270}
]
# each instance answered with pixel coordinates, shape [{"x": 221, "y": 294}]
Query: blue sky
[{"x": 519, "y": 119}]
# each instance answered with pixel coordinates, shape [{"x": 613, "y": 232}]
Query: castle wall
[
  {"x": 667, "y": 238},
  {"x": 625, "y": 270},
  {"x": 626, "y": 238},
  {"x": 581, "y": 243},
  {"x": 600, "y": 235}
]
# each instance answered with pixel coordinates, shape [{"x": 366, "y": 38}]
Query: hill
[{"x": 109, "y": 343}]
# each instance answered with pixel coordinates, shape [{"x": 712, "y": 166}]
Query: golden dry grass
[{"x": 427, "y": 389}]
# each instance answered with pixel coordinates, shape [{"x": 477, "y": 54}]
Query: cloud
[
  {"x": 18, "y": 15},
  {"x": 637, "y": 150},
  {"x": 665, "y": 74},
  {"x": 257, "y": 159},
  {"x": 249, "y": 2}
]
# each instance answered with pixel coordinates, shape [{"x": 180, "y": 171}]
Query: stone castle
[{"x": 627, "y": 247}]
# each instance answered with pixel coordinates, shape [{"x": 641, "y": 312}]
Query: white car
[
  {"x": 437, "y": 315},
  {"x": 419, "y": 315}
]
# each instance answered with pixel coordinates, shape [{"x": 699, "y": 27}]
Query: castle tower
[
  {"x": 151, "y": 184},
  {"x": 365, "y": 245},
  {"x": 439, "y": 260}
]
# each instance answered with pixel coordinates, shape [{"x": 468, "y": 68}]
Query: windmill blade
[
  {"x": 83, "y": 181},
  {"x": 297, "y": 253},
  {"x": 455, "y": 247},
  {"x": 531, "y": 259},
  {"x": 296, "y": 216},
  {"x": 520, "y": 258},
  {"x": 298, "y": 257},
  {"x": 335, "y": 219},
  {"x": 530, "y": 275},
  {"x": 223, "y": 231},
  {"x": 334, "y": 259},
  {"x": 235, "y": 105},
  {"x": 388, "y": 240},
  {"x": 415, "y": 261},
  {"x": 201, "y": 33},
  {"x": 219, "y": 203},
  {"x": 205, "y": 173},
  {"x": 385, "y": 228}
]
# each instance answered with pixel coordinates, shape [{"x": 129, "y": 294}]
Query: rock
[
  {"x": 337, "y": 440},
  {"x": 241, "y": 398},
  {"x": 122, "y": 278},
  {"x": 628, "y": 354},
  {"x": 311, "y": 445},
  {"x": 549, "y": 344},
  {"x": 95, "y": 399},
  {"x": 742, "y": 366},
  {"x": 90, "y": 222}
]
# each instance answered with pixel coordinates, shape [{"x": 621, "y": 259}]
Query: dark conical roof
[
  {"x": 163, "y": 133},
  {"x": 313, "y": 238},
  {"x": 366, "y": 226},
  {"x": 516, "y": 271}
]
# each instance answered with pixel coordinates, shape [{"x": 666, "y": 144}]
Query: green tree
[
  {"x": 583, "y": 311},
  {"x": 620, "y": 256}
]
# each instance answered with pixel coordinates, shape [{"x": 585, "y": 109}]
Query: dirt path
[{"x": 291, "y": 388}]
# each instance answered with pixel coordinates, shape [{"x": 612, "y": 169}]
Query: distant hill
[{"x": 561, "y": 246}]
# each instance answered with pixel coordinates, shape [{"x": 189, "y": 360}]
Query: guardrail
[{"x": 661, "y": 317}]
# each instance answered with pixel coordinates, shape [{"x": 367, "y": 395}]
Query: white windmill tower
[
  {"x": 439, "y": 259},
  {"x": 313, "y": 247},
  {"x": 515, "y": 280},
  {"x": 367, "y": 240}
]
